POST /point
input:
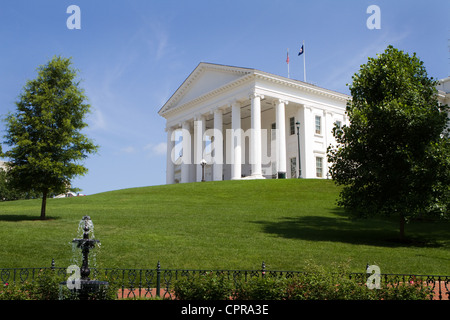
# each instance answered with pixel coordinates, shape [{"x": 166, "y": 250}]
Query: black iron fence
[{"x": 158, "y": 282}]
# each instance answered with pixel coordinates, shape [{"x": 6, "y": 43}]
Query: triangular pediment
[{"x": 205, "y": 78}]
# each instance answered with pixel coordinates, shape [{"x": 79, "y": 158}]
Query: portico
[{"x": 242, "y": 122}]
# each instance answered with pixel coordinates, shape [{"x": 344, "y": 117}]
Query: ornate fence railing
[{"x": 158, "y": 282}]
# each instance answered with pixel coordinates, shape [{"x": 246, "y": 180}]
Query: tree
[
  {"x": 394, "y": 157},
  {"x": 44, "y": 134},
  {"x": 8, "y": 193}
]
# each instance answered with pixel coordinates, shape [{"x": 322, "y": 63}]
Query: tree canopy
[
  {"x": 45, "y": 132},
  {"x": 394, "y": 157}
]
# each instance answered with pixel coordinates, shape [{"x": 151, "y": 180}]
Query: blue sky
[{"x": 132, "y": 55}]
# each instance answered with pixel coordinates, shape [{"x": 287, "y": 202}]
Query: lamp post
[
  {"x": 203, "y": 164},
  {"x": 298, "y": 141}
]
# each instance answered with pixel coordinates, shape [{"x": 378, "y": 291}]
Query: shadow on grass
[
  {"x": 374, "y": 232},
  {"x": 23, "y": 217}
]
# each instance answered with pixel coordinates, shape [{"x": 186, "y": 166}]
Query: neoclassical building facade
[
  {"x": 444, "y": 91},
  {"x": 227, "y": 122}
]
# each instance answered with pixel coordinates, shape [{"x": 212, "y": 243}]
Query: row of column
[{"x": 235, "y": 145}]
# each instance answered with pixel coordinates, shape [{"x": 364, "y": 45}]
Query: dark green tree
[
  {"x": 47, "y": 145},
  {"x": 5, "y": 192},
  {"x": 8, "y": 193},
  {"x": 394, "y": 157}
]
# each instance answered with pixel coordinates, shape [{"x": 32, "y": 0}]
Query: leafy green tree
[
  {"x": 8, "y": 192},
  {"x": 47, "y": 145},
  {"x": 394, "y": 157},
  {"x": 5, "y": 192}
]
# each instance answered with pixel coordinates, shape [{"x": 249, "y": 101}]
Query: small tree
[
  {"x": 394, "y": 157},
  {"x": 45, "y": 132}
]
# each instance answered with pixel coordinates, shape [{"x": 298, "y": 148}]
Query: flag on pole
[
  {"x": 287, "y": 61},
  {"x": 300, "y": 52}
]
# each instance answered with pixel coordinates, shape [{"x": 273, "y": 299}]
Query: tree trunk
[
  {"x": 402, "y": 227},
  {"x": 44, "y": 204}
]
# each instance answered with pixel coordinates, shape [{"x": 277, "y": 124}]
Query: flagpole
[{"x": 304, "y": 62}]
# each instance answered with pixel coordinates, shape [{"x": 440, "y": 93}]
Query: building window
[
  {"x": 293, "y": 167},
  {"x": 292, "y": 125},
  {"x": 338, "y": 124},
  {"x": 319, "y": 167},
  {"x": 318, "y": 123}
]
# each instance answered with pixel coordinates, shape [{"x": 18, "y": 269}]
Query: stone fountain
[{"x": 84, "y": 286}]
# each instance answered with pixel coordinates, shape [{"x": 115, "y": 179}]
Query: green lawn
[{"x": 219, "y": 225}]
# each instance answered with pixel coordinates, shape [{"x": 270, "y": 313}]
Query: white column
[
  {"x": 198, "y": 146},
  {"x": 236, "y": 140},
  {"x": 306, "y": 119},
  {"x": 186, "y": 147},
  {"x": 170, "y": 169},
  {"x": 328, "y": 137},
  {"x": 255, "y": 140},
  {"x": 192, "y": 167},
  {"x": 218, "y": 145},
  {"x": 281, "y": 137}
]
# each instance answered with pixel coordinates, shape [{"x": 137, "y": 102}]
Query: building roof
[{"x": 209, "y": 79}]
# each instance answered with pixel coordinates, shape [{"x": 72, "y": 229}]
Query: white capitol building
[{"x": 242, "y": 123}]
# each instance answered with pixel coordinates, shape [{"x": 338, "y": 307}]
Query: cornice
[
  {"x": 303, "y": 86},
  {"x": 248, "y": 76}
]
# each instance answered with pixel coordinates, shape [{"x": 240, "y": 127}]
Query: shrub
[
  {"x": 47, "y": 285},
  {"x": 12, "y": 291},
  {"x": 320, "y": 285},
  {"x": 43, "y": 287},
  {"x": 313, "y": 284},
  {"x": 412, "y": 290},
  {"x": 207, "y": 286},
  {"x": 264, "y": 288}
]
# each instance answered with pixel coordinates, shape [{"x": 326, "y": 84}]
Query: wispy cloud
[
  {"x": 96, "y": 120},
  {"x": 162, "y": 40},
  {"x": 148, "y": 150},
  {"x": 156, "y": 149},
  {"x": 155, "y": 34},
  {"x": 128, "y": 150},
  {"x": 345, "y": 70}
]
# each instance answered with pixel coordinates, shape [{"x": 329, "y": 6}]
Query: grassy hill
[{"x": 219, "y": 225}]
